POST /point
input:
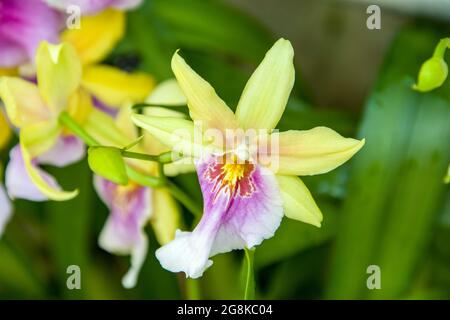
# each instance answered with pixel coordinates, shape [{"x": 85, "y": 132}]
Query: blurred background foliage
[{"x": 386, "y": 207}]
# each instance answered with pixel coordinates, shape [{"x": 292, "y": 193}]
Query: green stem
[
  {"x": 70, "y": 123},
  {"x": 441, "y": 47},
  {"x": 144, "y": 180},
  {"x": 249, "y": 286},
  {"x": 192, "y": 289},
  {"x": 163, "y": 158},
  {"x": 184, "y": 199}
]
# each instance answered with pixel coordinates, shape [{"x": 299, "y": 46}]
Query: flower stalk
[
  {"x": 149, "y": 181},
  {"x": 249, "y": 279}
]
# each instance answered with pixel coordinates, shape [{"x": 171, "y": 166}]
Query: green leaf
[
  {"x": 108, "y": 163},
  {"x": 293, "y": 237},
  {"x": 395, "y": 186},
  {"x": 212, "y": 26},
  {"x": 16, "y": 275},
  {"x": 69, "y": 227}
]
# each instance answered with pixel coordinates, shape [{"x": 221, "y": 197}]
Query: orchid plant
[{"x": 247, "y": 170}]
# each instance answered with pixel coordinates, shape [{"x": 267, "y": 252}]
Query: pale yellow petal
[
  {"x": 267, "y": 91},
  {"x": 102, "y": 127},
  {"x": 203, "y": 102},
  {"x": 115, "y": 87},
  {"x": 151, "y": 144},
  {"x": 314, "y": 151},
  {"x": 80, "y": 106},
  {"x": 51, "y": 192},
  {"x": 167, "y": 93},
  {"x": 297, "y": 201},
  {"x": 166, "y": 218},
  {"x": 8, "y": 72},
  {"x": 40, "y": 137},
  {"x": 180, "y": 135},
  {"x": 23, "y": 102},
  {"x": 58, "y": 74},
  {"x": 97, "y": 36},
  {"x": 124, "y": 123},
  {"x": 5, "y": 131}
]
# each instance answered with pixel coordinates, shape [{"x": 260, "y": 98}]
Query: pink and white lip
[
  {"x": 130, "y": 209},
  {"x": 234, "y": 217}
]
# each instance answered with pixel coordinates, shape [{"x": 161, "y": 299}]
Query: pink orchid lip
[
  {"x": 234, "y": 178},
  {"x": 242, "y": 207},
  {"x": 130, "y": 209}
]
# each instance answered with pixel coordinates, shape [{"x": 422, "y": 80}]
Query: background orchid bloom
[
  {"x": 244, "y": 200},
  {"x": 23, "y": 25},
  {"x": 96, "y": 38},
  {"x": 5, "y": 205},
  {"x": 35, "y": 109},
  {"x": 89, "y": 7},
  {"x": 132, "y": 206}
]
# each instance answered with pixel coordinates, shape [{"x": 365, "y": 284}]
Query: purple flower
[
  {"x": 67, "y": 150},
  {"x": 130, "y": 209},
  {"x": 23, "y": 25},
  {"x": 94, "y": 6}
]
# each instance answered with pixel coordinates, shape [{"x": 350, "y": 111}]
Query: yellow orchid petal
[
  {"x": 203, "y": 102},
  {"x": 124, "y": 123},
  {"x": 115, "y": 87},
  {"x": 36, "y": 178},
  {"x": 103, "y": 128},
  {"x": 297, "y": 201},
  {"x": 167, "y": 93},
  {"x": 58, "y": 74},
  {"x": 97, "y": 36},
  {"x": 314, "y": 151},
  {"x": 5, "y": 131},
  {"x": 180, "y": 135},
  {"x": 8, "y": 72},
  {"x": 151, "y": 144},
  {"x": 40, "y": 137},
  {"x": 80, "y": 106},
  {"x": 166, "y": 217},
  {"x": 267, "y": 91},
  {"x": 23, "y": 102}
]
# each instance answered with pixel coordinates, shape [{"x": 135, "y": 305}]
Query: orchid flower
[
  {"x": 5, "y": 204},
  {"x": 88, "y": 7},
  {"x": 244, "y": 198},
  {"x": 23, "y": 25},
  {"x": 132, "y": 206},
  {"x": 96, "y": 38},
  {"x": 35, "y": 110}
]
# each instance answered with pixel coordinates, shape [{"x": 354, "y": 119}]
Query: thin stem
[
  {"x": 249, "y": 287},
  {"x": 184, "y": 199},
  {"x": 441, "y": 47},
  {"x": 139, "y": 156},
  {"x": 144, "y": 180},
  {"x": 164, "y": 158},
  {"x": 70, "y": 123}
]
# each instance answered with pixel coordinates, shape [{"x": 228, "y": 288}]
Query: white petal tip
[{"x": 184, "y": 254}]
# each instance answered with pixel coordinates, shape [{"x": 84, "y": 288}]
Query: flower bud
[
  {"x": 108, "y": 163},
  {"x": 432, "y": 74}
]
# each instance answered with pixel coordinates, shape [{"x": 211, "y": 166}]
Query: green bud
[
  {"x": 432, "y": 74},
  {"x": 108, "y": 163}
]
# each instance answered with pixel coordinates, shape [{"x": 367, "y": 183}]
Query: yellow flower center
[{"x": 233, "y": 172}]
